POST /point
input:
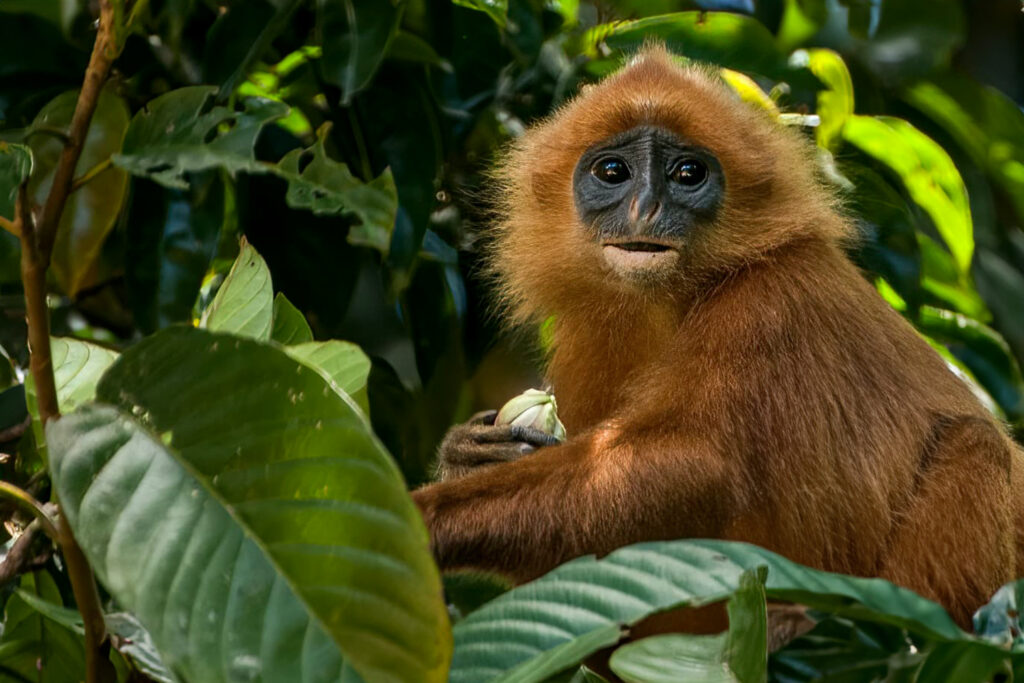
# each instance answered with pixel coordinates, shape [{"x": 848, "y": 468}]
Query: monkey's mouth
[
  {"x": 639, "y": 258},
  {"x": 639, "y": 246}
]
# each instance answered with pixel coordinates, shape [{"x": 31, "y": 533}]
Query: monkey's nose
[{"x": 644, "y": 210}]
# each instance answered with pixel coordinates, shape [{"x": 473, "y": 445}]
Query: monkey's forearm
[{"x": 525, "y": 517}]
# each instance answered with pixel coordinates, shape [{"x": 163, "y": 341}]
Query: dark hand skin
[{"x": 480, "y": 443}]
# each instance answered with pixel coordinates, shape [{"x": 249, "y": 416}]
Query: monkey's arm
[{"x": 592, "y": 494}]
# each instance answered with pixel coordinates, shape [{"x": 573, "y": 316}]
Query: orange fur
[{"x": 763, "y": 393}]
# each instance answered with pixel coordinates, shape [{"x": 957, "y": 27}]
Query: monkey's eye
[
  {"x": 611, "y": 170},
  {"x": 689, "y": 172}
]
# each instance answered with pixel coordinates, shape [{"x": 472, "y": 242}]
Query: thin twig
[
  {"x": 20, "y": 558},
  {"x": 25, "y": 500}
]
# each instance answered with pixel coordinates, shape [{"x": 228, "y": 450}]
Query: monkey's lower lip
[{"x": 639, "y": 257}]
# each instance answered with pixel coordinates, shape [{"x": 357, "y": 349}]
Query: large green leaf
[
  {"x": 244, "y": 304},
  {"x": 926, "y": 171},
  {"x": 171, "y": 137},
  {"x": 543, "y": 627},
  {"x": 275, "y": 533},
  {"x": 91, "y": 211},
  {"x": 15, "y": 165},
  {"x": 355, "y": 35}
]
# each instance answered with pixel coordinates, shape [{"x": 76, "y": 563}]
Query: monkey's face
[{"x": 642, "y": 194}]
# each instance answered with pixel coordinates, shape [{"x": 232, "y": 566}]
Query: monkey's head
[{"x": 646, "y": 185}]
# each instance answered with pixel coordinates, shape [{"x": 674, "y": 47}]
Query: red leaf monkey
[{"x": 721, "y": 367}]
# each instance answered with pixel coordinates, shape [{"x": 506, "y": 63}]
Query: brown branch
[
  {"x": 37, "y": 240},
  {"x": 22, "y": 557},
  {"x": 103, "y": 53}
]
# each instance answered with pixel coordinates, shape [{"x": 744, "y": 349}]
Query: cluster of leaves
[{"x": 238, "y": 486}]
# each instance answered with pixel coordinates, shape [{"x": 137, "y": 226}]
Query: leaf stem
[
  {"x": 31, "y": 505},
  {"x": 83, "y": 179}
]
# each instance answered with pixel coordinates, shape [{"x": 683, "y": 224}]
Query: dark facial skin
[{"x": 642, "y": 193}]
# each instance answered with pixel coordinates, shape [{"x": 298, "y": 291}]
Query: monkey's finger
[
  {"x": 484, "y": 417},
  {"x": 515, "y": 433},
  {"x": 486, "y": 454}
]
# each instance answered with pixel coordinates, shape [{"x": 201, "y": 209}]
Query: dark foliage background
[{"x": 914, "y": 104}]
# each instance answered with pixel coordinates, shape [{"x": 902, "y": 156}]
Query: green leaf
[
  {"x": 674, "y": 658},
  {"x": 747, "y": 644},
  {"x": 731, "y": 40},
  {"x": 355, "y": 35},
  {"x": 65, "y": 616},
  {"x": 342, "y": 363},
  {"x": 800, "y": 20},
  {"x": 740, "y": 654},
  {"x": 290, "y": 326},
  {"x": 835, "y": 102},
  {"x": 34, "y": 647},
  {"x": 927, "y": 173},
  {"x": 77, "y": 368},
  {"x": 244, "y": 304},
  {"x": 328, "y": 188},
  {"x": 15, "y": 166},
  {"x": 92, "y": 211},
  {"x": 495, "y": 9},
  {"x": 236, "y": 42},
  {"x": 135, "y": 641},
  {"x": 168, "y": 139},
  {"x": 273, "y": 526},
  {"x": 545, "y": 626}
]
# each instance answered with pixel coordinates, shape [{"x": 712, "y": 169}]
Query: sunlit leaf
[
  {"x": 927, "y": 173},
  {"x": 342, "y": 363},
  {"x": 92, "y": 211},
  {"x": 290, "y": 326},
  {"x": 244, "y": 304},
  {"x": 835, "y": 102},
  {"x": 748, "y": 90},
  {"x": 77, "y": 368},
  {"x": 275, "y": 533}
]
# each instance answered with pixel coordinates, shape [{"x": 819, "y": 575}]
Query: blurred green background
[{"x": 915, "y": 106}]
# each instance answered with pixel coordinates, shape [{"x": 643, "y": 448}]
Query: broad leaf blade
[
  {"x": 355, "y": 37},
  {"x": 244, "y": 304},
  {"x": 673, "y": 658},
  {"x": 342, "y": 363},
  {"x": 543, "y": 627},
  {"x": 290, "y": 326},
  {"x": 302, "y": 476}
]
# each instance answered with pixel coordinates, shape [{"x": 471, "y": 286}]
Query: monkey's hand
[{"x": 479, "y": 443}]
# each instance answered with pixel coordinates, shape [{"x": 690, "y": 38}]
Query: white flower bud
[{"x": 533, "y": 408}]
